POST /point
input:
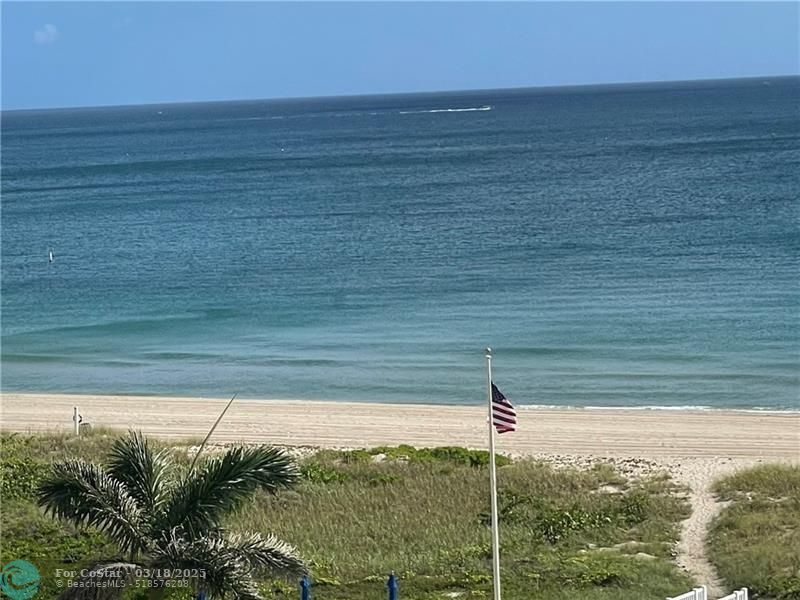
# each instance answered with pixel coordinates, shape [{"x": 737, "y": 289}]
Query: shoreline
[
  {"x": 599, "y": 432},
  {"x": 672, "y": 408},
  {"x": 518, "y": 406}
]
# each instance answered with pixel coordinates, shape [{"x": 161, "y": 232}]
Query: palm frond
[
  {"x": 104, "y": 581},
  {"x": 84, "y": 494},
  {"x": 267, "y": 554},
  {"x": 221, "y": 570},
  {"x": 144, "y": 472},
  {"x": 205, "y": 495}
]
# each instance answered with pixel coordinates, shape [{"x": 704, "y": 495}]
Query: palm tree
[{"x": 163, "y": 520}]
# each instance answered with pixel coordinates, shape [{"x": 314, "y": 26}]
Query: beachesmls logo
[{"x": 19, "y": 580}]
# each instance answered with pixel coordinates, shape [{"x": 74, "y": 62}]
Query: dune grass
[
  {"x": 565, "y": 533},
  {"x": 755, "y": 541},
  {"x": 422, "y": 513}
]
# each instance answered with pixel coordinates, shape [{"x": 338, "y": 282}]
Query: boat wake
[{"x": 446, "y": 110}]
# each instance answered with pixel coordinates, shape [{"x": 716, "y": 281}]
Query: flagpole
[{"x": 493, "y": 476}]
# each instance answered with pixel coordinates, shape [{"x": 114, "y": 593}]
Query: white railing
[
  {"x": 737, "y": 595},
  {"x": 698, "y": 593}
]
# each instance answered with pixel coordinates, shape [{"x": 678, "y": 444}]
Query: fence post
[
  {"x": 305, "y": 588},
  {"x": 392, "y": 585},
  {"x": 701, "y": 593},
  {"x": 76, "y": 420}
]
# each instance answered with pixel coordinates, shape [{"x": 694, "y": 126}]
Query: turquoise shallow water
[{"x": 617, "y": 246}]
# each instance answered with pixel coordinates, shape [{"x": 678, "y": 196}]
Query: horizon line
[{"x": 415, "y": 93}]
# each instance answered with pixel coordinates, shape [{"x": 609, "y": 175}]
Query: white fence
[
  {"x": 737, "y": 595},
  {"x": 698, "y": 593}
]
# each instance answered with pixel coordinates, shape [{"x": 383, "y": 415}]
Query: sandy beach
[{"x": 648, "y": 434}]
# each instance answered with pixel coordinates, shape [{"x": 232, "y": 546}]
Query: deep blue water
[{"x": 617, "y": 246}]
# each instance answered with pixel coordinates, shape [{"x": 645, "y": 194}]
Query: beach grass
[
  {"x": 358, "y": 515},
  {"x": 755, "y": 541},
  {"x": 424, "y": 514}
]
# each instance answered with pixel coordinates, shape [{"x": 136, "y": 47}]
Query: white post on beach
[
  {"x": 76, "y": 420},
  {"x": 493, "y": 476}
]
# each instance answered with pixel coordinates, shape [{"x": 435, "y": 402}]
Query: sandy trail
[
  {"x": 697, "y": 447},
  {"x": 699, "y": 475}
]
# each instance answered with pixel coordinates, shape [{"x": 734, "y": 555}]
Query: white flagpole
[{"x": 493, "y": 476}]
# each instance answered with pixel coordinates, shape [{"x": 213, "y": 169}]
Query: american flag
[{"x": 504, "y": 416}]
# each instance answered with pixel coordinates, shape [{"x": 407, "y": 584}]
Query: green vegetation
[
  {"x": 162, "y": 518},
  {"x": 356, "y": 516},
  {"x": 755, "y": 541},
  {"x": 424, "y": 513}
]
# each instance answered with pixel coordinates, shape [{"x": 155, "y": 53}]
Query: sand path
[{"x": 699, "y": 475}]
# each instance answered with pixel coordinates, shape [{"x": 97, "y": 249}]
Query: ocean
[{"x": 628, "y": 245}]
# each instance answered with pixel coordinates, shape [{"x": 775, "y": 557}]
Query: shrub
[
  {"x": 19, "y": 473},
  {"x": 441, "y": 454},
  {"x": 319, "y": 473},
  {"x": 635, "y": 507},
  {"x": 554, "y": 523}
]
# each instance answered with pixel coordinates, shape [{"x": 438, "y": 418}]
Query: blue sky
[{"x": 58, "y": 54}]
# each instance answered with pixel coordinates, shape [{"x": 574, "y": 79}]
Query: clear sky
[{"x": 58, "y": 54}]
